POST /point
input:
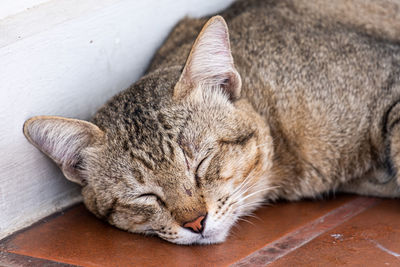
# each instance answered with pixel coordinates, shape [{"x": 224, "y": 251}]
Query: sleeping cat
[{"x": 289, "y": 104}]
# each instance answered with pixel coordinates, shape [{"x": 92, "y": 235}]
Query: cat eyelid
[
  {"x": 159, "y": 199},
  {"x": 196, "y": 173},
  {"x": 186, "y": 160}
]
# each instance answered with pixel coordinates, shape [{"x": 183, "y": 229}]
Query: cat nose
[{"x": 197, "y": 225}]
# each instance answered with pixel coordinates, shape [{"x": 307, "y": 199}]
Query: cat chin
[
  {"x": 200, "y": 240},
  {"x": 186, "y": 237}
]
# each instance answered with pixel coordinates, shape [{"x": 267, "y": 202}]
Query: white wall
[
  {"x": 66, "y": 58},
  {"x": 11, "y": 7}
]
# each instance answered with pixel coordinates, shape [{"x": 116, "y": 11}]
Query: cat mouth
[
  {"x": 198, "y": 239},
  {"x": 210, "y": 238}
]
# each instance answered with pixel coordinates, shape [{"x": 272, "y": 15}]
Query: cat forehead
[{"x": 129, "y": 119}]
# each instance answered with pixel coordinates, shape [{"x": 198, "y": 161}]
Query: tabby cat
[{"x": 291, "y": 103}]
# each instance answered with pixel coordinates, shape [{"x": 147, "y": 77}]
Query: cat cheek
[
  {"x": 228, "y": 166},
  {"x": 232, "y": 169},
  {"x": 227, "y": 173}
]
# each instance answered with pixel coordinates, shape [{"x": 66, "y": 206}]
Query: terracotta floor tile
[
  {"x": 306, "y": 233},
  {"x": 370, "y": 239},
  {"x": 77, "y": 237},
  {"x": 14, "y": 260}
]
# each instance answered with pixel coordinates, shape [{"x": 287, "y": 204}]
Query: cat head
[{"x": 179, "y": 154}]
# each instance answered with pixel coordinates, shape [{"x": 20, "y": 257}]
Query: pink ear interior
[
  {"x": 210, "y": 62},
  {"x": 62, "y": 140}
]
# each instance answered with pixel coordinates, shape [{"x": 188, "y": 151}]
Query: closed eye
[
  {"x": 240, "y": 140},
  {"x": 158, "y": 198},
  {"x": 200, "y": 171}
]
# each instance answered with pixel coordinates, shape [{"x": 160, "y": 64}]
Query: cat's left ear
[{"x": 210, "y": 62}]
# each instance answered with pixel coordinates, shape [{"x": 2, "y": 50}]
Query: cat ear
[
  {"x": 63, "y": 140},
  {"x": 210, "y": 62}
]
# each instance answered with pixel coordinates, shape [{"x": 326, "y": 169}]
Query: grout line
[
  {"x": 397, "y": 255},
  {"x": 15, "y": 260},
  {"x": 301, "y": 236}
]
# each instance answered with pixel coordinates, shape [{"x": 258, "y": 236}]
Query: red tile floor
[{"x": 343, "y": 231}]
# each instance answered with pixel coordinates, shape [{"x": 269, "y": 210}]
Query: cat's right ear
[
  {"x": 63, "y": 140},
  {"x": 210, "y": 63}
]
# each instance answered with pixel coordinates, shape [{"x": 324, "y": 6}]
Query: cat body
[
  {"x": 291, "y": 104},
  {"x": 324, "y": 89}
]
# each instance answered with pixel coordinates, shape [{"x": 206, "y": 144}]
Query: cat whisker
[
  {"x": 248, "y": 208},
  {"x": 241, "y": 206},
  {"x": 243, "y": 190},
  {"x": 242, "y": 185},
  {"x": 242, "y": 219},
  {"x": 247, "y": 189},
  {"x": 240, "y": 193},
  {"x": 254, "y": 216},
  {"x": 249, "y": 204},
  {"x": 232, "y": 232},
  {"x": 238, "y": 204},
  {"x": 254, "y": 193}
]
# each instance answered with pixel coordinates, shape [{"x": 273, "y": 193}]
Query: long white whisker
[
  {"x": 244, "y": 190},
  {"x": 238, "y": 196},
  {"x": 251, "y": 187},
  {"x": 259, "y": 202},
  {"x": 242, "y": 185},
  {"x": 241, "y": 219},
  {"x": 254, "y": 216},
  {"x": 237, "y": 203},
  {"x": 254, "y": 193},
  {"x": 249, "y": 205}
]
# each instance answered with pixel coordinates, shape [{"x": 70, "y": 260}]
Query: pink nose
[{"x": 196, "y": 225}]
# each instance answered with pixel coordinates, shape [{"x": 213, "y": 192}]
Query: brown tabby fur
[{"x": 318, "y": 111}]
